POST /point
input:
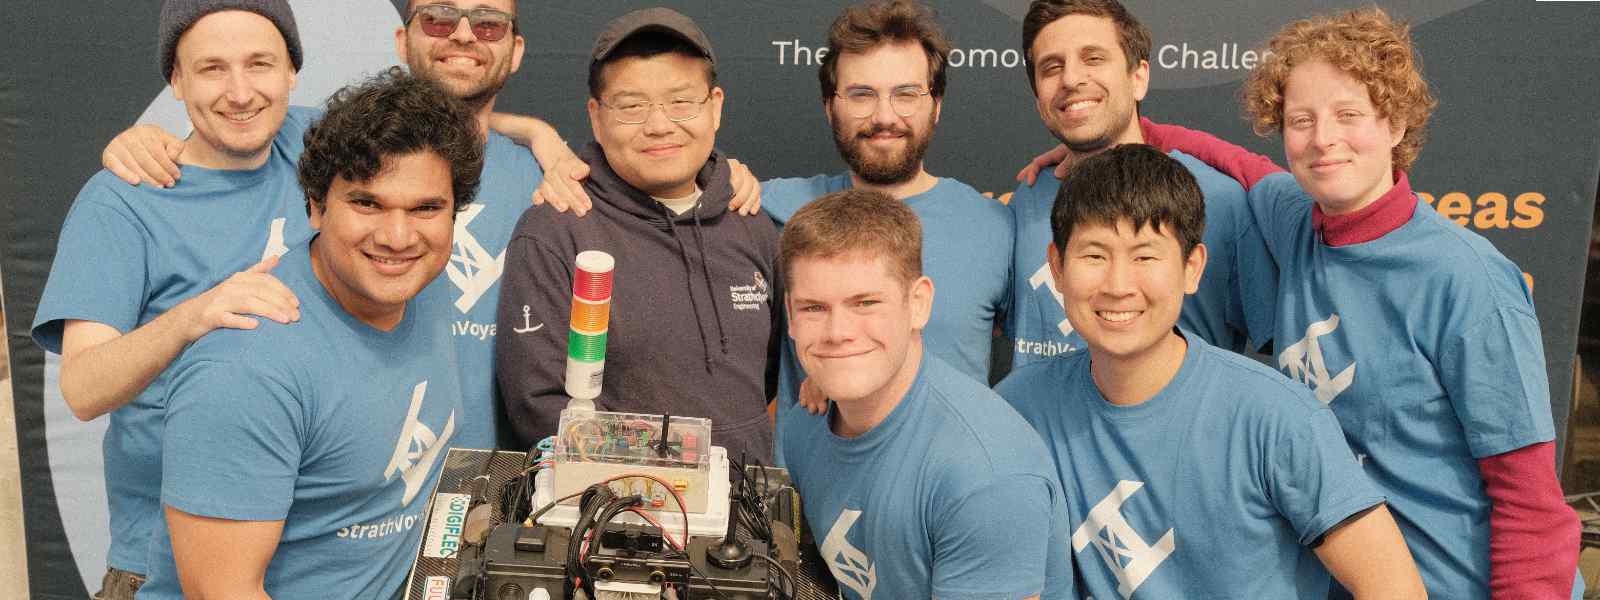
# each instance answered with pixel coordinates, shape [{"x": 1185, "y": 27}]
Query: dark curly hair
[
  {"x": 861, "y": 28},
  {"x": 391, "y": 113}
]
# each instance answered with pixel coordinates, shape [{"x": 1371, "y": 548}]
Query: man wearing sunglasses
[
  {"x": 469, "y": 53},
  {"x": 470, "y": 49},
  {"x": 691, "y": 322}
]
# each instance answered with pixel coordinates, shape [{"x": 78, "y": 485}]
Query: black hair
[
  {"x": 1132, "y": 35},
  {"x": 392, "y": 113},
  {"x": 1134, "y": 182},
  {"x": 646, "y": 44}
]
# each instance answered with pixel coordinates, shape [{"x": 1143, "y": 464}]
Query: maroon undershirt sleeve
[
  {"x": 1533, "y": 534},
  {"x": 1243, "y": 165}
]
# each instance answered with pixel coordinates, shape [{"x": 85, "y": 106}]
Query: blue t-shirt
[
  {"x": 334, "y": 427},
  {"x": 128, "y": 254},
  {"x": 470, "y": 285},
  {"x": 966, "y": 251},
  {"x": 951, "y": 496},
  {"x": 1425, "y": 344},
  {"x": 1213, "y": 488},
  {"x": 1234, "y": 303}
]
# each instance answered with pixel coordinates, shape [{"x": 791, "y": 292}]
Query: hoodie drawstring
[
  {"x": 694, "y": 305},
  {"x": 705, "y": 275}
]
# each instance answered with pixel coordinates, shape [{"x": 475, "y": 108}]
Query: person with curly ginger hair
[
  {"x": 1419, "y": 334},
  {"x": 296, "y": 457}
]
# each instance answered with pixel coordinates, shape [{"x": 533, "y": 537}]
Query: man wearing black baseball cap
[{"x": 661, "y": 192}]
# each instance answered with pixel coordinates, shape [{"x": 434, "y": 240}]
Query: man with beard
[
  {"x": 469, "y": 49},
  {"x": 1088, "y": 65},
  {"x": 469, "y": 53},
  {"x": 882, "y": 85}
]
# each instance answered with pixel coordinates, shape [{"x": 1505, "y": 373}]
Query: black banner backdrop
[{"x": 1514, "y": 149}]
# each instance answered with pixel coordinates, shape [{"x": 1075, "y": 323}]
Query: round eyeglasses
[{"x": 862, "y": 102}]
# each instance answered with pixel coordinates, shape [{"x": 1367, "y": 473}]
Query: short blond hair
[{"x": 1364, "y": 43}]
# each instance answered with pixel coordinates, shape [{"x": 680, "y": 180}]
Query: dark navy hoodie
[{"x": 694, "y": 309}]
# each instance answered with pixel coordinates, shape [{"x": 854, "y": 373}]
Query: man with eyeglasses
[
  {"x": 470, "y": 52},
  {"x": 691, "y": 315},
  {"x": 882, "y": 85}
]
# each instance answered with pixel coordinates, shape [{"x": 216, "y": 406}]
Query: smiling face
[
  {"x": 1084, "y": 91},
  {"x": 1337, "y": 145},
  {"x": 465, "y": 66},
  {"x": 233, "y": 74},
  {"x": 659, "y": 157},
  {"x": 1123, "y": 289},
  {"x": 855, "y": 322},
  {"x": 382, "y": 240},
  {"x": 883, "y": 148}
]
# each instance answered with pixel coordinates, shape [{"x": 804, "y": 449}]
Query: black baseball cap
[{"x": 658, "y": 19}]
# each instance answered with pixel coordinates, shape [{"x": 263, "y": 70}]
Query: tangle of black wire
[
  {"x": 599, "y": 505},
  {"x": 749, "y": 505},
  {"x": 749, "y": 500}
]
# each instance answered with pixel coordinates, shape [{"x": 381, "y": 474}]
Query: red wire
[{"x": 675, "y": 496}]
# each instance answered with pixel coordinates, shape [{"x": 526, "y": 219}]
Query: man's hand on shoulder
[
  {"x": 746, "y": 189},
  {"x": 144, "y": 154},
  {"x": 232, "y": 303},
  {"x": 562, "y": 187},
  {"x": 811, "y": 397},
  {"x": 1062, "y": 158}
]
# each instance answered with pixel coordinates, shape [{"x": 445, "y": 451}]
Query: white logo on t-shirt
[
  {"x": 850, "y": 565},
  {"x": 472, "y": 269},
  {"x": 1303, "y": 362},
  {"x": 275, "y": 245},
  {"x": 1128, "y": 556},
  {"x": 417, "y": 447},
  {"x": 1042, "y": 277}
]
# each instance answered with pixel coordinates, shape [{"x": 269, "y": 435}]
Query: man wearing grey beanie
[{"x": 143, "y": 271}]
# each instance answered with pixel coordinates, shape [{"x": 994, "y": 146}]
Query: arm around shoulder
[
  {"x": 103, "y": 369},
  {"x": 1245, "y": 166}
]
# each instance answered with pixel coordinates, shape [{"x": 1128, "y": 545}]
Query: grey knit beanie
[{"x": 177, "y": 16}]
